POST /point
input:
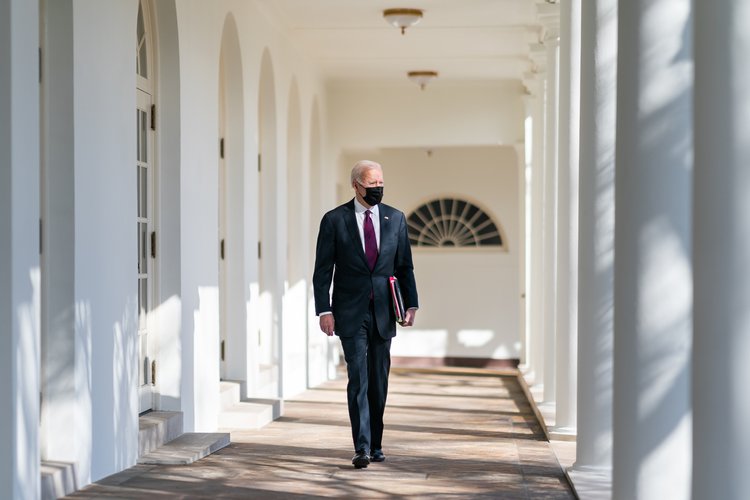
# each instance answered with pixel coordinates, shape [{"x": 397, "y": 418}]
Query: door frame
[{"x": 146, "y": 101}]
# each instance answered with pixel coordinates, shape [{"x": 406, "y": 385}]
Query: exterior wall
[
  {"x": 200, "y": 28},
  {"x": 323, "y": 350},
  {"x": 65, "y": 387},
  {"x": 200, "y": 37},
  {"x": 105, "y": 237},
  {"x": 469, "y": 297},
  {"x": 295, "y": 334},
  {"x": 19, "y": 250},
  {"x": 101, "y": 363}
]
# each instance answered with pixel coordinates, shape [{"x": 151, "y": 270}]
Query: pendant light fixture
[
  {"x": 422, "y": 78},
  {"x": 402, "y": 18}
]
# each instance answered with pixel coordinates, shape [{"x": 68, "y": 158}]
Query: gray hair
[{"x": 361, "y": 167}]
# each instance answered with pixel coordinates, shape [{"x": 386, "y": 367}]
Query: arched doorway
[
  {"x": 232, "y": 315},
  {"x": 146, "y": 221}
]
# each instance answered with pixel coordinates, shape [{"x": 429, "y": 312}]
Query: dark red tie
[{"x": 371, "y": 244}]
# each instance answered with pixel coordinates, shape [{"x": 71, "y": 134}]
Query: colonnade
[
  {"x": 639, "y": 330},
  {"x": 639, "y": 205}
]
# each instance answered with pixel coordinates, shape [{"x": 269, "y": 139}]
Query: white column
[
  {"x": 653, "y": 282},
  {"x": 549, "y": 224},
  {"x": 721, "y": 364},
  {"x": 522, "y": 159},
  {"x": 531, "y": 87},
  {"x": 19, "y": 249},
  {"x": 566, "y": 310},
  {"x": 534, "y": 344},
  {"x": 596, "y": 235}
]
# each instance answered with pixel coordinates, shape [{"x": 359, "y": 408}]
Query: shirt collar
[{"x": 360, "y": 208}]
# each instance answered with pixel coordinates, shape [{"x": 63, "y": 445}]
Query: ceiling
[{"x": 463, "y": 40}]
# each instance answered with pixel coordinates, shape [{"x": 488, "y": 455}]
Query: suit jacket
[{"x": 340, "y": 257}]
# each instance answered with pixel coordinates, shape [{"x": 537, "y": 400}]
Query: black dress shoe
[
  {"x": 377, "y": 456},
  {"x": 361, "y": 459}
]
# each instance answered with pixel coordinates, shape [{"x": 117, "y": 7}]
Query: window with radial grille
[{"x": 448, "y": 222}]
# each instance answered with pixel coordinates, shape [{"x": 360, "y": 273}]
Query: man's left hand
[{"x": 409, "y": 318}]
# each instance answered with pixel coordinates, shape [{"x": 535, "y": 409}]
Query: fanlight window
[{"x": 449, "y": 222}]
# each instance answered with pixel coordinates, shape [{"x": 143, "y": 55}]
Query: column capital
[{"x": 548, "y": 15}]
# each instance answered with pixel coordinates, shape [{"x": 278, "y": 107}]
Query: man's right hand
[{"x": 327, "y": 324}]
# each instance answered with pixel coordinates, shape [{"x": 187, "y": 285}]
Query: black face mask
[{"x": 373, "y": 195}]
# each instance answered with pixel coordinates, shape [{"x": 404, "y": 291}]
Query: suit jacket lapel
[{"x": 351, "y": 224}]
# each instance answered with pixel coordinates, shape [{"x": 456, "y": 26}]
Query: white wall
[
  {"x": 19, "y": 257},
  {"x": 105, "y": 236},
  {"x": 295, "y": 335},
  {"x": 323, "y": 351},
  {"x": 469, "y": 297},
  {"x": 200, "y": 32},
  {"x": 200, "y": 29},
  {"x": 259, "y": 34},
  {"x": 366, "y": 115},
  {"x": 66, "y": 413},
  {"x": 100, "y": 236}
]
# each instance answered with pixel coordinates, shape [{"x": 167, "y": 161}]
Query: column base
[
  {"x": 527, "y": 372},
  {"x": 547, "y": 410},
  {"x": 563, "y": 433},
  {"x": 591, "y": 482}
]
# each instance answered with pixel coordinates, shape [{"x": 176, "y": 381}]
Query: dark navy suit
[{"x": 362, "y": 309}]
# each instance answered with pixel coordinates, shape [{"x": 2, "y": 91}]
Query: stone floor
[{"x": 449, "y": 434}]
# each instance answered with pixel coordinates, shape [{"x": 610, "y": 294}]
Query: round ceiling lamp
[
  {"x": 422, "y": 78},
  {"x": 402, "y": 18}
]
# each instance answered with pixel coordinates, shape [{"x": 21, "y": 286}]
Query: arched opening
[
  {"x": 269, "y": 224},
  {"x": 232, "y": 313},
  {"x": 146, "y": 213},
  {"x": 167, "y": 348}
]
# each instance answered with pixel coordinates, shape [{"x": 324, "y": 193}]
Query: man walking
[{"x": 365, "y": 242}]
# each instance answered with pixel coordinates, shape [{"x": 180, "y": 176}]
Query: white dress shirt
[{"x": 359, "y": 212}]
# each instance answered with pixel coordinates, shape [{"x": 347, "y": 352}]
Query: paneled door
[{"x": 144, "y": 165}]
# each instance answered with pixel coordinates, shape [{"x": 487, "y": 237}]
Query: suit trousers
[{"x": 368, "y": 362}]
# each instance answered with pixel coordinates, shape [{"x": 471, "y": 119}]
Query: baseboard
[{"x": 452, "y": 361}]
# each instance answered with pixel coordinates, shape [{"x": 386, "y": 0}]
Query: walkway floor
[{"x": 448, "y": 435}]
